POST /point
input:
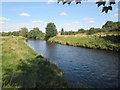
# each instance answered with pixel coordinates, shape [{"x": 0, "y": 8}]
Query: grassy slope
[
  {"x": 87, "y": 41},
  {"x": 23, "y": 68}
]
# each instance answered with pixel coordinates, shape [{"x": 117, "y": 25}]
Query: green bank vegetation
[
  {"x": 34, "y": 34},
  {"x": 107, "y": 37},
  {"x": 22, "y": 67},
  {"x": 109, "y": 28},
  {"x": 106, "y": 42}
]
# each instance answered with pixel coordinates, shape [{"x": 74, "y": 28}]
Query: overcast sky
[{"x": 16, "y": 15}]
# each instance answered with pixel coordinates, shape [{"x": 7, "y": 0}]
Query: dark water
[{"x": 82, "y": 67}]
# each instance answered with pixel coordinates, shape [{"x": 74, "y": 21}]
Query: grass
[
  {"x": 22, "y": 67},
  {"x": 88, "y": 42}
]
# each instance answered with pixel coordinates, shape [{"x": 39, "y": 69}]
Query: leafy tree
[
  {"x": 51, "y": 31},
  {"x": 36, "y": 34},
  {"x": 62, "y": 31},
  {"x": 15, "y": 33},
  {"x": 23, "y": 32},
  {"x": 81, "y": 30},
  {"x": 103, "y": 3},
  {"x": 111, "y": 26}
]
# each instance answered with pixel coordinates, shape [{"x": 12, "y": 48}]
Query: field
[
  {"x": 22, "y": 67},
  {"x": 105, "y": 42}
]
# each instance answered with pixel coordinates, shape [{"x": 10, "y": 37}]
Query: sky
[{"x": 16, "y": 15}]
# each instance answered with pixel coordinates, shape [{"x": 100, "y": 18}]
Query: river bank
[
  {"x": 22, "y": 67},
  {"x": 95, "y": 42}
]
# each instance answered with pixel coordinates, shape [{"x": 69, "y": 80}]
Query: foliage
[
  {"x": 62, "y": 31},
  {"x": 93, "y": 31},
  {"x": 108, "y": 27},
  {"x": 35, "y": 34},
  {"x": 51, "y": 31},
  {"x": 23, "y": 68},
  {"x": 81, "y": 30},
  {"x": 111, "y": 26},
  {"x": 23, "y": 32},
  {"x": 88, "y": 42},
  {"x": 106, "y": 7},
  {"x": 15, "y": 33}
]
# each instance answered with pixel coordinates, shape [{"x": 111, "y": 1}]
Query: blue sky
[{"x": 16, "y": 15}]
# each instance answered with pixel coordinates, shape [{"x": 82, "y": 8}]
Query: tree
[
  {"x": 23, "y": 32},
  {"x": 36, "y": 34},
  {"x": 62, "y": 31},
  {"x": 81, "y": 30},
  {"x": 51, "y": 31},
  {"x": 106, "y": 7}
]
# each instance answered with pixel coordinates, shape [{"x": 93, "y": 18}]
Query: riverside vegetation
[
  {"x": 22, "y": 67},
  {"x": 106, "y": 42},
  {"x": 107, "y": 37}
]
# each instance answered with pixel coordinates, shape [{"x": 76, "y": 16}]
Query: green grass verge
[
  {"x": 89, "y": 42},
  {"x": 23, "y": 68}
]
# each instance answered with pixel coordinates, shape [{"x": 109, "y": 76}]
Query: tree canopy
[
  {"x": 103, "y": 3},
  {"x": 23, "y": 32},
  {"x": 51, "y": 31},
  {"x": 36, "y": 34}
]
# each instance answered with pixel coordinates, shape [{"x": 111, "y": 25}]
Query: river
[{"x": 82, "y": 67}]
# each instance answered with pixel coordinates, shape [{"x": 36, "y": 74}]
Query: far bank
[{"x": 110, "y": 43}]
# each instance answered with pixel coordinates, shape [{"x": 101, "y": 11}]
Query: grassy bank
[
  {"x": 23, "y": 68},
  {"x": 107, "y": 43}
]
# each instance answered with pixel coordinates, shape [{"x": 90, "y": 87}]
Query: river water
[{"x": 82, "y": 67}]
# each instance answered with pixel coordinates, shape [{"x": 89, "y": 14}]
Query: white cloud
[
  {"x": 4, "y": 19},
  {"x": 67, "y": 25},
  {"x": 2, "y": 22},
  {"x": 89, "y": 20},
  {"x": 41, "y": 22},
  {"x": 16, "y": 27},
  {"x": 24, "y": 14},
  {"x": 63, "y": 14},
  {"x": 115, "y": 15},
  {"x": 50, "y": 1},
  {"x": 76, "y": 22}
]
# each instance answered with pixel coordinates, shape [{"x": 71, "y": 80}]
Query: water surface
[{"x": 82, "y": 67}]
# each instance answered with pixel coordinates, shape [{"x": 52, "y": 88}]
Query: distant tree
[
  {"x": 62, "y": 31},
  {"x": 36, "y": 34},
  {"x": 23, "y": 32},
  {"x": 81, "y": 30},
  {"x": 15, "y": 33},
  {"x": 111, "y": 26},
  {"x": 103, "y": 3},
  {"x": 108, "y": 24},
  {"x": 51, "y": 31}
]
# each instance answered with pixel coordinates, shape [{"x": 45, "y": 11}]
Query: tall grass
[
  {"x": 87, "y": 41},
  {"x": 23, "y": 68}
]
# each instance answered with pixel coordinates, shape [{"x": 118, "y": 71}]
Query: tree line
[
  {"x": 35, "y": 34},
  {"x": 109, "y": 26},
  {"x": 51, "y": 31}
]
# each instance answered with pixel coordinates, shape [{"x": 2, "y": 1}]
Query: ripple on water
[{"x": 84, "y": 66}]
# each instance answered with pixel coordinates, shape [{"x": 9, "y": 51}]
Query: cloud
[
  {"x": 2, "y": 22},
  {"x": 41, "y": 22},
  {"x": 16, "y": 27},
  {"x": 24, "y": 14},
  {"x": 4, "y": 19},
  {"x": 115, "y": 15},
  {"x": 50, "y": 1},
  {"x": 89, "y": 20},
  {"x": 63, "y": 14},
  {"x": 117, "y": 9},
  {"x": 76, "y": 22}
]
